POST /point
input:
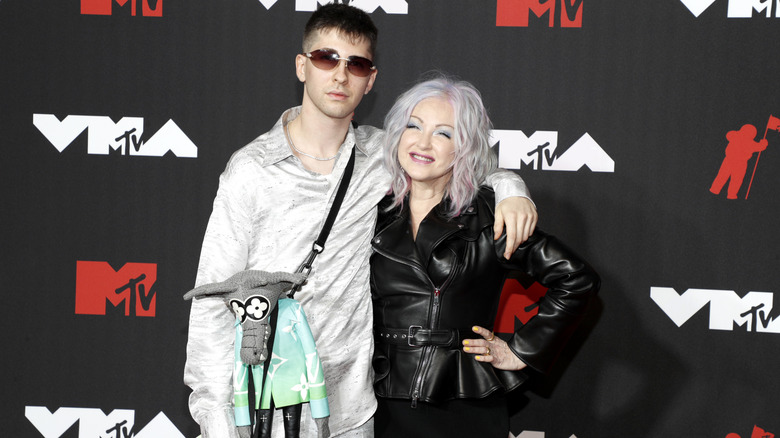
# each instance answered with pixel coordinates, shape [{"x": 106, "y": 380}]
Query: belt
[{"x": 416, "y": 336}]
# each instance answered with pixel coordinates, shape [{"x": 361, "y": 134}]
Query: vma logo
[
  {"x": 737, "y": 8},
  {"x": 149, "y": 8},
  {"x": 753, "y": 311},
  {"x": 123, "y": 136},
  {"x": 389, "y": 6},
  {"x": 120, "y": 423},
  {"x": 516, "y": 13},
  {"x": 133, "y": 286},
  {"x": 540, "y": 151},
  {"x": 740, "y": 149}
]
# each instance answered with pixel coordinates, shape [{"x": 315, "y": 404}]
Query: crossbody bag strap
[{"x": 319, "y": 244}]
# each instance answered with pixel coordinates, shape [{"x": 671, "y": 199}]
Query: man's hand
[{"x": 519, "y": 216}]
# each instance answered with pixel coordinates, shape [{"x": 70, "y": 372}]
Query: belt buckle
[{"x": 411, "y": 335}]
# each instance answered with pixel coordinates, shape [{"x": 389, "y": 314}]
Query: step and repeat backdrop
[{"x": 648, "y": 132}]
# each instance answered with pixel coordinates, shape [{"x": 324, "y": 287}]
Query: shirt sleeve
[
  {"x": 507, "y": 184},
  {"x": 210, "y": 346}
]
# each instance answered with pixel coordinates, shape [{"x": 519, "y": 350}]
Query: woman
[{"x": 437, "y": 274}]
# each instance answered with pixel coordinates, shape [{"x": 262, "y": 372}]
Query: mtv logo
[
  {"x": 517, "y": 12},
  {"x": 104, "y": 7},
  {"x": 97, "y": 283},
  {"x": 517, "y": 303}
]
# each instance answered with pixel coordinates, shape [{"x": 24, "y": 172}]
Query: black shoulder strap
[
  {"x": 334, "y": 209},
  {"x": 319, "y": 244}
]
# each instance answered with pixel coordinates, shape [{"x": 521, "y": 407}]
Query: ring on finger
[
  {"x": 488, "y": 351},
  {"x": 492, "y": 336}
]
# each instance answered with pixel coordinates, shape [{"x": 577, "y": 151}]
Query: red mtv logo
[
  {"x": 103, "y": 7},
  {"x": 516, "y": 12},
  {"x": 132, "y": 286},
  {"x": 517, "y": 303}
]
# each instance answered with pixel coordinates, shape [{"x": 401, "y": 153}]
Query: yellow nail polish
[
  {"x": 467, "y": 349},
  {"x": 466, "y": 342},
  {"x": 478, "y": 357},
  {"x": 474, "y": 329}
]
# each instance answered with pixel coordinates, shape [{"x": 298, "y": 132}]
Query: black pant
[{"x": 478, "y": 418}]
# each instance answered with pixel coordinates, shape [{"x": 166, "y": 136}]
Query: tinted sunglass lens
[
  {"x": 324, "y": 59},
  {"x": 359, "y": 66}
]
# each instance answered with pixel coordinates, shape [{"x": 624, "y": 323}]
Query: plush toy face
[
  {"x": 255, "y": 308},
  {"x": 252, "y": 296}
]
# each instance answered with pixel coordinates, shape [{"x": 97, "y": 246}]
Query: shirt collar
[{"x": 277, "y": 148}]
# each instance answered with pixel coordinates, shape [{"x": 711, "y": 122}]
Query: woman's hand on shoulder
[{"x": 493, "y": 350}]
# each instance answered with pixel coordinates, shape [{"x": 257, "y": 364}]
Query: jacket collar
[{"x": 396, "y": 237}]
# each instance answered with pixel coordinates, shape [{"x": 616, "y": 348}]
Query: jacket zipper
[
  {"x": 435, "y": 310},
  {"x": 428, "y": 349},
  {"x": 427, "y": 352}
]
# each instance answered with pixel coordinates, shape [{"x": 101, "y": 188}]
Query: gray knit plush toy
[{"x": 252, "y": 296}]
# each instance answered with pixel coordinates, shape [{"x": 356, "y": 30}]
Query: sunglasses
[{"x": 326, "y": 59}]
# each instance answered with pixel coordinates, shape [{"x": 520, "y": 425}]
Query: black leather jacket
[{"x": 428, "y": 294}]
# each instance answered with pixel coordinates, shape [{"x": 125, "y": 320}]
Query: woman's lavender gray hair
[{"x": 474, "y": 159}]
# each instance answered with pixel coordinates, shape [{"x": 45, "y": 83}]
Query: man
[{"x": 270, "y": 206}]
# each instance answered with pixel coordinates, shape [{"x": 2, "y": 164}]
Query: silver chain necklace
[{"x": 292, "y": 145}]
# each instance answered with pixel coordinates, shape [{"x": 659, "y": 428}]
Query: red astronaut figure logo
[
  {"x": 740, "y": 149},
  {"x": 757, "y": 433}
]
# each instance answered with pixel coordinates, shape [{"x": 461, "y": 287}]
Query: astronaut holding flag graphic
[{"x": 738, "y": 152}]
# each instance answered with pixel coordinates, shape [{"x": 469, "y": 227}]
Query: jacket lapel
[
  {"x": 395, "y": 239},
  {"x": 434, "y": 229}
]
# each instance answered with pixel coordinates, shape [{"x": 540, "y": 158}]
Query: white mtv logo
[
  {"x": 540, "y": 149},
  {"x": 737, "y": 8},
  {"x": 389, "y": 6},
  {"x": 93, "y": 423},
  {"x": 726, "y": 308},
  {"x": 124, "y": 135}
]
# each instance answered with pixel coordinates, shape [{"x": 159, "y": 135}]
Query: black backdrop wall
[{"x": 118, "y": 117}]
